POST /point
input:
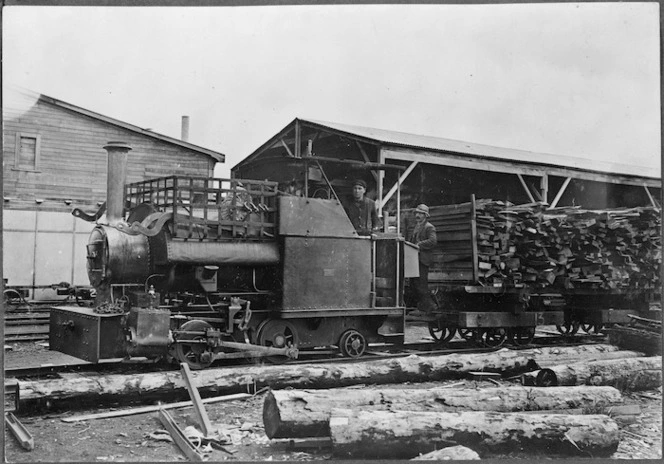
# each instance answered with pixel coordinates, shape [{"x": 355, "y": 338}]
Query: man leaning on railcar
[
  {"x": 362, "y": 210},
  {"x": 424, "y": 236}
]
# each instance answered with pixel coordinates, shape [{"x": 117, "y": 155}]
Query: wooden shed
[
  {"x": 54, "y": 161},
  {"x": 439, "y": 171}
]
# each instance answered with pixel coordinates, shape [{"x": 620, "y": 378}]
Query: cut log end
[{"x": 271, "y": 416}]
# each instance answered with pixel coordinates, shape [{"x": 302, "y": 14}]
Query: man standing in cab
[
  {"x": 424, "y": 236},
  {"x": 362, "y": 210}
]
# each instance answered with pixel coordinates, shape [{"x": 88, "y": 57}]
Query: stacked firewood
[
  {"x": 528, "y": 245},
  {"x": 607, "y": 248}
]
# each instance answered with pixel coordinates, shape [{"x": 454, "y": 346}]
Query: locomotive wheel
[
  {"x": 466, "y": 334},
  {"x": 352, "y": 344},
  {"x": 494, "y": 337},
  {"x": 440, "y": 333},
  {"x": 522, "y": 335},
  {"x": 278, "y": 334},
  {"x": 196, "y": 355},
  {"x": 568, "y": 328}
]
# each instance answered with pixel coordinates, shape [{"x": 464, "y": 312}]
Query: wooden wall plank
[{"x": 72, "y": 158}]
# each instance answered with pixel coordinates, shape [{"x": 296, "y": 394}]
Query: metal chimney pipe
[
  {"x": 116, "y": 175},
  {"x": 185, "y": 129}
]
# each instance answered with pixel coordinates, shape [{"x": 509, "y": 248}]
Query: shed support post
[
  {"x": 395, "y": 187},
  {"x": 290, "y": 153},
  {"x": 366, "y": 158},
  {"x": 560, "y": 193},
  {"x": 523, "y": 183},
  {"x": 652, "y": 199},
  {"x": 297, "y": 139},
  {"x": 544, "y": 184},
  {"x": 380, "y": 180}
]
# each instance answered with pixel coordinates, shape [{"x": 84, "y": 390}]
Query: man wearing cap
[
  {"x": 424, "y": 236},
  {"x": 362, "y": 210}
]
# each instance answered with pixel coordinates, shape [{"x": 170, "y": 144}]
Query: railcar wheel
[
  {"x": 441, "y": 333},
  {"x": 466, "y": 334},
  {"x": 196, "y": 354},
  {"x": 568, "y": 328},
  {"x": 278, "y": 334},
  {"x": 592, "y": 328},
  {"x": 13, "y": 299},
  {"x": 522, "y": 335},
  {"x": 494, "y": 337},
  {"x": 352, "y": 344}
]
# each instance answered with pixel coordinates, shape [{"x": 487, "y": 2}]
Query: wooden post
[{"x": 199, "y": 408}]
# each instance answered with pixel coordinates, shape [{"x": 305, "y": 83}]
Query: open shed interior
[{"x": 311, "y": 159}]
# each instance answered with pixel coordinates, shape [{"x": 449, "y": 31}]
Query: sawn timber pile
[{"x": 526, "y": 245}]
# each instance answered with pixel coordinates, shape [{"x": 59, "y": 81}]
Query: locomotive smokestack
[
  {"x": 115, "y": 180},
  {"x": 185, "y": 129}
]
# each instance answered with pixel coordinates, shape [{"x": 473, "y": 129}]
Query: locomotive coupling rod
[
  {"x": 199, "y": 408},
  {"x": 180, "y": 439},
  {"x": 19, "y": 431},
  {"x": 287, "y": 351}
]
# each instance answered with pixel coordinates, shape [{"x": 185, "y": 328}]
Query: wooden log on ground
[
  {"x": 451, "y": 453},
  {"x": 306, "y": 413},
  {"x": 163, "y": 385},
  {"x": 625, "y": 374},
  {"x": 77, "y": 389},
  {"x": 586, "y": 355},
  {"x": 554, "y": 356},
  {"x": 622, "y": 414},
  {"x": 405, "y": 434}
]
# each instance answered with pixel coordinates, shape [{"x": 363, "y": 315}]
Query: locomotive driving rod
[{"x": 257, "y": 349}]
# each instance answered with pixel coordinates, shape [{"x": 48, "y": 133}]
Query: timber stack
[{"x": 561, "y": 248}]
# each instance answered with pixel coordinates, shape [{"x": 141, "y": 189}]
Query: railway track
[
  {"x": 27, "y": 326},
  {"x": 317, "y": 356}
]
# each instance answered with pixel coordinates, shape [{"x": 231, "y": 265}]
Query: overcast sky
[{"x": 572, "y": 79}]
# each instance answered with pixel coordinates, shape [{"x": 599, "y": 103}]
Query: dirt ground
[{"x": 142, "y": 438}]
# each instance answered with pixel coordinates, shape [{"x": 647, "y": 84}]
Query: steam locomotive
[{"x": 199, "y": 269}]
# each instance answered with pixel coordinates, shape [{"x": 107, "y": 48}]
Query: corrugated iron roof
[{"x": 438, "y": 144}]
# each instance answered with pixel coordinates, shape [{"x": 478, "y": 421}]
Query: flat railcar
[{"x": 497, "y": 274}]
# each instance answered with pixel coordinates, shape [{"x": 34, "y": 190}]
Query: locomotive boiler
[{"x": 198, "y": 269}]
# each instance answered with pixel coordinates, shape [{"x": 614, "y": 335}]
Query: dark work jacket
[
  {"x": 363, "y": 215},
  {"x": 425, "y": 238}
]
